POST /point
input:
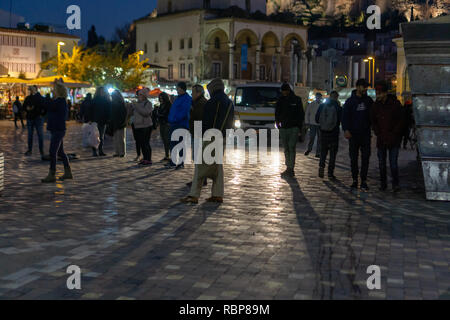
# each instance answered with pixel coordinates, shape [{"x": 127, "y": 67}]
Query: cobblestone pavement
[{"x": 303, "y": 238}]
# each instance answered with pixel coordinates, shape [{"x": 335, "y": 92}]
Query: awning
[
  {"x": 68, "y": 82},
  {"x": 9, "y": 80}
]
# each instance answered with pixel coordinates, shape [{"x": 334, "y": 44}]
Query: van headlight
[{"x": 237, "y": 124}]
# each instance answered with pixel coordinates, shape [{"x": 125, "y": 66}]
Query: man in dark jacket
[
  {"x": 218, "y": 114},
  {"x": 388, "y": 123},
  {"x": 356, "y": 126},
  {"x": 289, "y": 117},
  {"x": 35, "y": 108},
  {"x": 198, "y": 106},
  {"x": 85, "y": 108},
  {"x": 100, "y": 113},
  {"x": 329, "y": 138}
]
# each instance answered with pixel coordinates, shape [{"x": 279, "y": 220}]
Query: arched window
[
  {"x": 145, "y": 48},
  {"x": 170, "y": 45},
  {"x": 190, "y": 43},
  {"x": 217, "y": 43}
]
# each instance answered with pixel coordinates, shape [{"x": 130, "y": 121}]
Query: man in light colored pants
[
  {"x": 204, "y": 171},
  {"x": 120, "y": 145}
]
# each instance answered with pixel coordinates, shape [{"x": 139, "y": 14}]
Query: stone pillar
[
  {"x": 427, "y": 50},
  {"x": 304, "y": 67},
  {"x": 363, "y": 69},
  {"x": 258, "y": 62},
  {"x": 350, "y": 72},
  {"x": 231, "y": 61},
  {"x": 279, "y": 71}
]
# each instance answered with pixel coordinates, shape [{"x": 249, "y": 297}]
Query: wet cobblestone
[{"x": 303, "y": 238}]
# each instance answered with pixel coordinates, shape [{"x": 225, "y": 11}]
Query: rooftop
[{"x": 38, "y": 33}]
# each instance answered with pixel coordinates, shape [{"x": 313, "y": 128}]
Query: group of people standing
[{"x": 358, "y": 118}]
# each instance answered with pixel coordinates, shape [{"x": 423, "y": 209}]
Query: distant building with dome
[{"x": 198, "y": 40}]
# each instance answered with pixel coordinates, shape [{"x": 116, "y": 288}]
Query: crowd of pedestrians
[{"x": 357, "y": 119}]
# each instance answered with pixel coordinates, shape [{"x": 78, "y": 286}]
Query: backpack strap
[{"x": 226, "y": 117}]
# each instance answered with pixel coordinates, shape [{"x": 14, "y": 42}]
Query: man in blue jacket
[
  {"x": 357, "y": 129},
  {"x": 179, "y": 118}
]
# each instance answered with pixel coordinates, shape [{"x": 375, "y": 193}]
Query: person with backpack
[
  {"x": 17, "y": 110},
  {"x": 357, "y": 130},
  {"x": 289, "y": 117},
  {"x": 328, "y": 117},
  {"x": 218, "y": 114},
  {"x": 388, "y": 123}
]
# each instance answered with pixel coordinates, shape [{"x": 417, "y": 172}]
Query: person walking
[
  {"x": 34, "y": 105},
  {"x": 100, "y": 114},
  {"x": 163, "y": 117},
  {"x": 218, "y": 114},
  {"x": 142, "y": 120},
  {"x": 388, "y": 123},
  {"x": 357, "y": 130},
  {"x": 58, "y": 112},
  {"x": 197, "y": 110},
  {"x": 329, "y": 117},
  {"x": 119, "y": 123},
  {"x": 17, "y": 110},
  {"x": 179, "y": 119},
  {"x": 85, "y": 108},
  {"x": 314, "y": 128},
  {"x": 289, "y": 117}
]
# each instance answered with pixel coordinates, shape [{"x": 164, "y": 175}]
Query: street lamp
[
  {"x": 373, "y": 73},
  {"x": 370, "y": 77},
  {"x": 60, "y": 43}
]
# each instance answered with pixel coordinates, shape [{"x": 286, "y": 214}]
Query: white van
[{"x": 255, "y": 105}]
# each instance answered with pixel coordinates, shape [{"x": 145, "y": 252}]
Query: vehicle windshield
[{"x": 257, "y": 96}]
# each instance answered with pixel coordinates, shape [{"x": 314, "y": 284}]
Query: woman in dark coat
[
  {"x": 119, "y": 123},
  {"x": 57, "y": 111},
  {"x": 163, "y": 115}
]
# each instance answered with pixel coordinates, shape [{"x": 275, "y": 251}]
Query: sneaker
[
  {"x": 180, "y": 166},
  {"x": 145, "y": 163},
  {"x": 170, "y": 165},
  {"x": 307, "y": 153},
  {"x": 28, "y": 153},
  {"x": 354, "y": 185},
  {"x": 364, "y": 186},
  {"x": 102, "y": 154},
  {"x": 138, "y": 158}
]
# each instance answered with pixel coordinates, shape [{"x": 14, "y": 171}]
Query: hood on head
[{"x": 216, "y": 85}]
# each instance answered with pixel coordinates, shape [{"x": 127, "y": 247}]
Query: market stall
[{"x": 10, "y": 88}]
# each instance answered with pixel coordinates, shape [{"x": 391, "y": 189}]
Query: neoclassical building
[{"x": 197, "y": 40}]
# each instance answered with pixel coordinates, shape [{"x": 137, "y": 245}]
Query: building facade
[
  {"x": 195, "y": 43},
  {"x": 22, "y": 51}
]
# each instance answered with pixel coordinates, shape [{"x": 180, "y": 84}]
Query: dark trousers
[
  {"x": 357, "y": 144},
  {"x": 143, "y": 136},
  {"x": 57, "y": 149},
  {"x": 101, "y": 130},
  {"x": 18, "y": 116},
  {"x": 329, "y": 143},
  {"x": 393, "y": 164},
  {"x": 164, "y": 131},
  {"x": 138, "y": 146},
  {"x": 175, "y": 143},
  {"x": 39, "y": 125}
]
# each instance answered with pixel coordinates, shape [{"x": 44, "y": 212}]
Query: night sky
[{"x": 106, "y": 15}]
